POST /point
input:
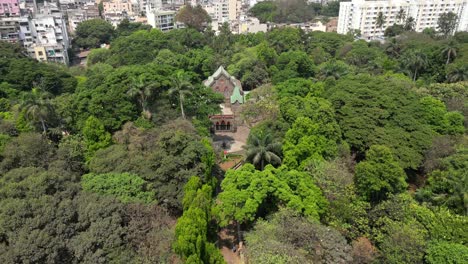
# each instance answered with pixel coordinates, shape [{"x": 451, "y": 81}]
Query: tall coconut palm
[
  {"x": 380, "y": 20},
  {"x": 38, "y": 107},
  {"x": 401, "y": 15},
  {"x": 262, "y": 150},
  {"x": 393, "y": 48},
  {"x": 458, "y": 74},
  {"x": 142, "y": 90},
  {"x": 181, "y": 86},
  {"x": 450, "y": 50},
  {"x": 414, "y": 61},
  {"x": 409, "y": 24}
]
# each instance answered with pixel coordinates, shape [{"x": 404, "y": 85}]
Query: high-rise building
[{"x": 362, "y": 15}]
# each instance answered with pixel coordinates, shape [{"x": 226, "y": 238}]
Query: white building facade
[{"x": 362, "y": 15}]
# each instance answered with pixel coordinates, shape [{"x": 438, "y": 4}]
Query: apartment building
[
  {"x": 362, "y": 15},
  {"x": 115, "y": 11},
  {"x": 45, "y": 35},
  {"x": 9, "y": 8},
  {"x": 9, "y": 20},
  {"x": 82, "y": 13},
  {"x": 163, "y": 20}
]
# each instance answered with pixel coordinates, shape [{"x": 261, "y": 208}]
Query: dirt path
[{"x": 227, "y": 241}]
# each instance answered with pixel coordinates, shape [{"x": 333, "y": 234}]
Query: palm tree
[
  {"x": 181, "y": 86},
  {"x": 401, "y": 15},
  {"x": 450, "y": 50},
  {"x": 409, "y": 24},
  {"x": 143, "y": 91},
  {"x": 262, "y": 150},
  {"x": 380, "y": 20},
  {"x": 38, "y": 107},
  {"x": 458, "y": 74},
  {"x": 393, "y": 48},
  {"x": 415, "y": 61}
]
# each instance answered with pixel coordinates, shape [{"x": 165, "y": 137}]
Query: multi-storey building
[
  {"x": 49, "y": 35},
  {"x": 42, "y": 33},
  {"x": 9, "y": 8},
  {"x": 81, "y": 13},
  {"x": 362, "y": 15},
  {"x": 117, "y": 10},
  {"x": 161, "y": 19},
  {"x": 9, "y": 20}
]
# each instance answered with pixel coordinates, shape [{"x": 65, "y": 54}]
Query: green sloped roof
[{"x": 237, "y": 96}]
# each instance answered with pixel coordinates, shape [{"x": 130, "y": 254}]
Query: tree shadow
[{"x": 224, "y": 142}]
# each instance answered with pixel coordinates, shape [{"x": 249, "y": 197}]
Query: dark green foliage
[
  {"x": 381, "y": 111},
  {"x": 27, "y": 150},
  {"x": 140, "y": 47},
  {"x": 125, "y": 27},
  {"x": 446, "y": 186},
  {"x": 23, "y": 73},
  {"x": 92, "y": 33},
  {"x": 332, "y": 99},
  {"x": 379, "y": 175},
  {"x": 284, "y": 11},
  {"x": 289, "y": 238},
  {"x": 447, "y": 23},
  {"x": 347, "y": 212},
  {"x": 166, "y": 158}
]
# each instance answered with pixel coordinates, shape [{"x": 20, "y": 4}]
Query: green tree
[
  {"x": 92, "y": 33},
  {"x": 191, "y": 231},
  {"x": 126, "y": 187},
  {"x": 405, "y": 243},
  {"x": 262, "y": 150},
  {"x": 264, "y": 11},
  {"x": 446, "y": 186},
  {"x": 393, "y": 30},
  {"x": 286, "y": 237},
  {"x": 98, "y": 56},
  {"x": 450, "y": 51},
  {"x": 379, "y": 175},
  {"x": 410, "y": 24},
  {"x": 125, "y": 27},
  {"x": 143, "y": 91},
  {"x": 334, "y": 68},
  {"x": 166, "y": 157},
  {"x": 181, "y": 86},
  {"x": 447, "y": 23},
  {"x": 95, "y": 136},
  {"x": 248, "y": 193},
  {"x": 446, "y": 252},
  {"x": 38, "y": 107},
  {"x": 26, "y": 150},
  {"x": 305, "y": 143},
  {"x": 414, "y": 61},
  {"x": 193, "y": 17},
  {"x": 380, "y": 20},
  {"x": 401, "y": 15},
  {"x": 457, "y": 72}
]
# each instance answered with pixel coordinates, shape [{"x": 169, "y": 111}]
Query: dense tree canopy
[
  {"x": 92, "y": 33},
  {"x": 113, "y": 162}
]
